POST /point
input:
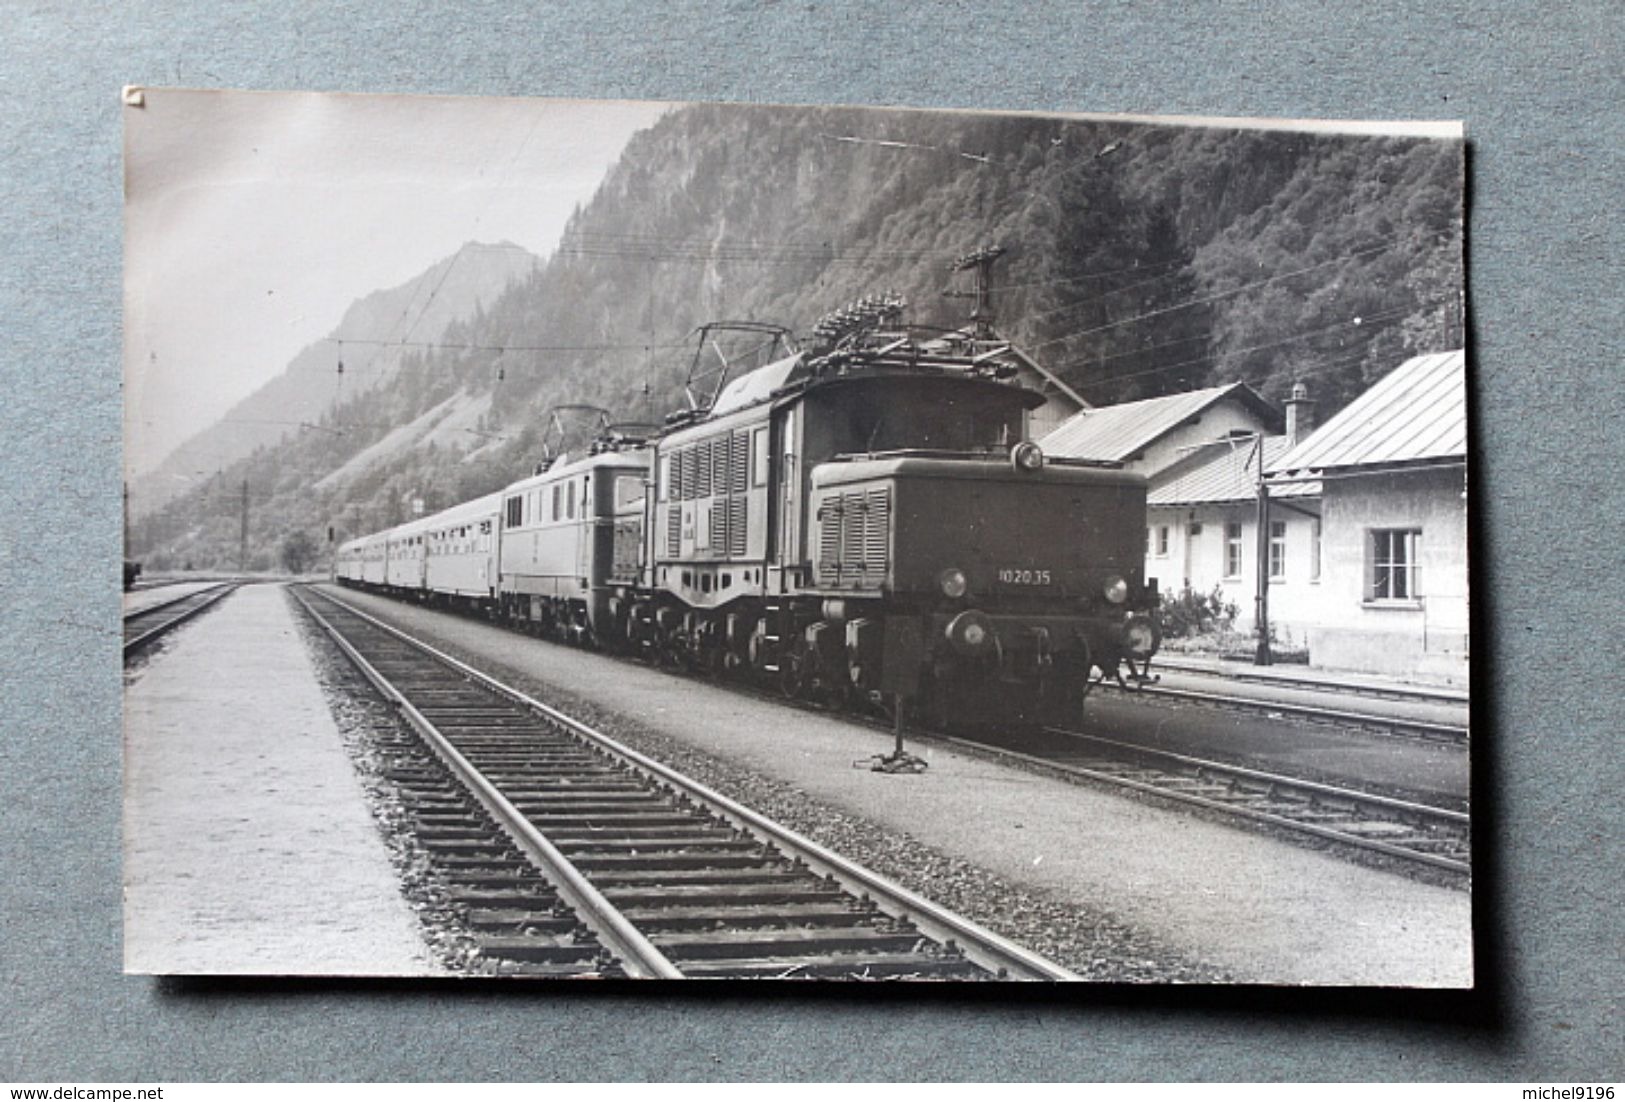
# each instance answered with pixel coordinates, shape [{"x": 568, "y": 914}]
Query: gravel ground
[
  {"x": 1135, "y": 890},
  {"x": 1371, "y": 859},
  {"x": 1090, "y": 944},
  {"x": 377, "y": 741}
]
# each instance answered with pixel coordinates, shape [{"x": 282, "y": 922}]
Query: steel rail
[
  {"x": 206, "y": 598},
  {"x": 1252, "y": 675},
  {"x": 1280, "y": 780},
  {"x": 1287, "y": 783},
  {"x": 979, "y": 944},
  {"x": 1441, "y": 732},
  {"x": 636, "y": 953}
]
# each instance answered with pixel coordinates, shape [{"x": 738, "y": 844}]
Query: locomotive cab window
[
  {"x": 628, "y": 491},
  {"x": 932, "y": 415},
  {"x": 758, "y": 456}
]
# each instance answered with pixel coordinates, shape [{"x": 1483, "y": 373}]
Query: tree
[{"x": 299, "y": 552}]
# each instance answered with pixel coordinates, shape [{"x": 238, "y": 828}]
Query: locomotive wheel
[
  {"x": 676, "y": 653},
  {"x": 795, "y": 670}
]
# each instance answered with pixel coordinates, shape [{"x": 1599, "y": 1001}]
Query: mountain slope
[
  {"x": 1140, "y": 260},
  {"x": 309, "y": 388}
]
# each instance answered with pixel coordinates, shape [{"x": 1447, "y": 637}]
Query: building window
[
  {"x": 1232, "y": 549},
  {"x": 1394, "y": 569},
  {"x": 1162, "y": 541},
  {"x": 1277, "y": 549},
  {"x": 1314, "y": 550}
]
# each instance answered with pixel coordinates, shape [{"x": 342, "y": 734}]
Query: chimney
[{"x": 1300, "y": 415}]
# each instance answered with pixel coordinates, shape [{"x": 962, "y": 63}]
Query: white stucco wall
[
  {"x": 1425, "y": 638},
  {"x": 1200, "y": 559}
]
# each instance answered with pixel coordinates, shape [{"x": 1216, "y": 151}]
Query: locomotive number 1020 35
[{"x": 1024, "y": 577}]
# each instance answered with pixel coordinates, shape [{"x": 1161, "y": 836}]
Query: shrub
[{"x": 1192, "y": 613}]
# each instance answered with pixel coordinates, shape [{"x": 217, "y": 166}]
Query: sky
[{"x": 254, "y": 219}]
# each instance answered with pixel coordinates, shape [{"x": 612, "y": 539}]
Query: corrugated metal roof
[
  {"x": 1416, "y": 412},
  {"x": 1227, "y": 472},
  {"x": 1118, "y": 432}
]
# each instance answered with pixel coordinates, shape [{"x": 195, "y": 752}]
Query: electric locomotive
[
  {"x": 867, "y": 521},
  {"x": 863, "y": 521}
]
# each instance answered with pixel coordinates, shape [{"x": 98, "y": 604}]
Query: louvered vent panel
[
  {"x": 736, "y": 526},
  {"x": 854, "y": 513},
  {"x": 683, "y": 469},
  {"x": 829, "y": 541},
  {"x": 719, "y": 465},
  {"x": 719, "y": 527},
  {"x": 674, "y": 530},
  {"x": 702, "y": 469},
  {"x": 876, "y": 535},
  {"x": 739, "y": 463}
]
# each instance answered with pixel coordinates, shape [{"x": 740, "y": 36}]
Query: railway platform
[
  {"x": 1260, "y": 908},
  {"x": 249, "y": 848}
]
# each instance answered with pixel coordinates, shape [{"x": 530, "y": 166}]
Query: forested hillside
[{"x": 1140, "y": 260}]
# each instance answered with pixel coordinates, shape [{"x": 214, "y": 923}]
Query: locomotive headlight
[
  {"x": 971, "y": 633},
  {"x": 1115, "y": 589},
  {"x": 1027, "y": 456},
  {"x": 953, "y": 583}
]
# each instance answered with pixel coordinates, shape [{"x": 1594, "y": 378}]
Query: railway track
[
  {"x": 565, "y": 852},
  {"x": 1412, "y": 694},
  {"x": 1366, "y": 721},
  {"x": 1415, "y": 832},
  {"x": 143, "y": 626}
]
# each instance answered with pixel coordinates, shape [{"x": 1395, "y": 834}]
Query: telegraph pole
[
  {"x": 242, "y": 548},
  {"x": 1261, "y": 603}
]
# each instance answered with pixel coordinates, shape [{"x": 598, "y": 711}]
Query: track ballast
[
  {"x": 145, "y": 626},
  {"x": 1416, "y": 833},
  {"x": 566, "y": 853}
]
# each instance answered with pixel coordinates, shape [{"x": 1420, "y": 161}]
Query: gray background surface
[{"x": 1541, "y": 90}]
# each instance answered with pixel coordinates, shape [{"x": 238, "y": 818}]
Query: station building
[
  {"x": 1153, "y": 435},
  {"x": 1203, "y": 531},
  {"x": 1367, "y": 545},
  {"x": 1201, "y": 452},
  {"x": 1392, "y": 467}
]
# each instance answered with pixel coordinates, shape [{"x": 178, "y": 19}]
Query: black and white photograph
[{"x": 640, "y": 540}]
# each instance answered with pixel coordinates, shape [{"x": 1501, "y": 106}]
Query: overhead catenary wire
[
  {"x": 1364, "y": 319},
  {"x": 1214, "y": 296}
]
